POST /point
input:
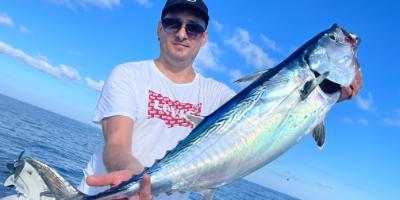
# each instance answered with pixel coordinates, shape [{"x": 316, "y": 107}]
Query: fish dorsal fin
[
  {"x": 251, "y": 77},
  {"x": 318, "y": 134},
  {"x": 309, "y": 86},
  {"x": 196, "y": 120}
]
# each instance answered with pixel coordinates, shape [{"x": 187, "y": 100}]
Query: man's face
[{"x": 181, "y": 34}]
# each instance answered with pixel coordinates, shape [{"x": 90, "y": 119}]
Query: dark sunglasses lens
[
  {"x": 171, "y": 25},
  {"x": 194, "y": 30}
]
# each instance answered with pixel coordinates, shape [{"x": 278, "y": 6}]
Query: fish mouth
[{"x": 350, "y": 38}]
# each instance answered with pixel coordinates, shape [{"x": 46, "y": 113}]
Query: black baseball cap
[{"x": 198, "y": 6}]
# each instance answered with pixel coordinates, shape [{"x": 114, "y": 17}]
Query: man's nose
[{"x": 181, "y": 34}]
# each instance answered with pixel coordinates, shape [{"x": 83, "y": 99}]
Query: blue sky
[{"x": 56, "y": 54}]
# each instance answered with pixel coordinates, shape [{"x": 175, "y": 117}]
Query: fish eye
[{"x": 332, "y": 36}]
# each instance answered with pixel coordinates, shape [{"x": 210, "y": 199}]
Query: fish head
[{"x": 335, "y": 51}]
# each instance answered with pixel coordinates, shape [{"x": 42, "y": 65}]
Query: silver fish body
[{"x": 260, "y": 123}]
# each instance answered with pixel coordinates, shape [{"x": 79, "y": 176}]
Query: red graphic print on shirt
[{"x": 173, "y": 113}]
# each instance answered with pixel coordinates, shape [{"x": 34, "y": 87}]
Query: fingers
[
  {"x": 357, "y": 84},
  {"x": 113, "y": 178},
  {"x": 347, "y": 93},
  {"x": 145, "y": 190},
  {"x": 353, "y": 89}
]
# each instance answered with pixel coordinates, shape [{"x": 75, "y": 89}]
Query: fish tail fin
[{"x": 35, "y": 180}]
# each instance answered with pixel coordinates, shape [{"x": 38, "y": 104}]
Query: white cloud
[
  {"x": 67, "y": 3},
  {"x": 253, "y": 54},
  {"x": 42, "y": 57},
  {"x": 235, "y": 75},
  {"x": 66, "y": 71},
  {"x": 366, "y": 103},
  {"x": 362, "y": 121},
  {"x": 218, "y": 26},
  {"x": 271, "y": 44},
  {"x": 6, "y": 20},
  {"x": 24, "y": 29},
  {"x": 108, "y": 4},
  {"x": 102, "y": 3},
  {"x": 95, "y": 85},
  {"x": 145, "y": 3},
  {"x": 40, "y": 63},
  {"x": 347, "y": 120},
  {"x": 208, "y": 57},
  {"x": 393, "y": 121}
]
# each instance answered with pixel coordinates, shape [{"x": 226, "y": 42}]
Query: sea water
[{"x": 66, "y": 145}]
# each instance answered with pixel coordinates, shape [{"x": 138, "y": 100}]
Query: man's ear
[
  {"x": 159, "y": 29},
  {"x": 204, "y": 38}
]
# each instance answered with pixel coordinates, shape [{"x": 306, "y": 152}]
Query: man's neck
[{"x": 179, "y": 73}]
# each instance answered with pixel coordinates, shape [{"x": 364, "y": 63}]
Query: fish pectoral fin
[
  {"x": 196, "y": 120},
  {"x": 318, "y": 134},
  {"x": 310, "y": 85},
  {"x": 208, "y": 194},
  {"x": 252, "y": 76}
]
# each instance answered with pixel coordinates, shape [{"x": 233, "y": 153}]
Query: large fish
[{"x": 264, "y": 120}]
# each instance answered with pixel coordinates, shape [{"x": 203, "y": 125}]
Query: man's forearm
[{"x": 117, "y": 158}]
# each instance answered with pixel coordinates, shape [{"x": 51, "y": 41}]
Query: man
[{"x": 143, "y": 105}]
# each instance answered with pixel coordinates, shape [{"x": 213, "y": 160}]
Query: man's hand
[
  {"x": 353, "y": 89},
  {"x": 113, "y": 179}
]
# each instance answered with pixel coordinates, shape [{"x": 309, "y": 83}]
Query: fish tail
[{"x": 36, "y": 180}]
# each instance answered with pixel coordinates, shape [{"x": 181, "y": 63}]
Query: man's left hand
[
  {"x": 113, "y": 179},
  {"x": 352, "y": 90}
]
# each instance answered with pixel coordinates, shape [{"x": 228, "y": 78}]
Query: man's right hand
[{"x": 113, "y": 179}]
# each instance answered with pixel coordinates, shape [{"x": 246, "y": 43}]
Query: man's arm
[
  {"x": 118, "y": 158},
  {"x": 117, "y": 155}
]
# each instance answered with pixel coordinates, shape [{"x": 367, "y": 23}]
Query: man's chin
[{"x": 180, "y": 56}]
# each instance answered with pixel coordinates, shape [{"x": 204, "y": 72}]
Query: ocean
[{"x": 66, "y": 145}]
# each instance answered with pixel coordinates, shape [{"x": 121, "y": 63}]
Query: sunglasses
[{"x": 173, "y": 25}]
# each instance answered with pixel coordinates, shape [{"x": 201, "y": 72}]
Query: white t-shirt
[{"x": 158, "y": 108}]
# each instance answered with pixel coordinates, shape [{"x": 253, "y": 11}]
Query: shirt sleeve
[{"x": 118, "y": 97}]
